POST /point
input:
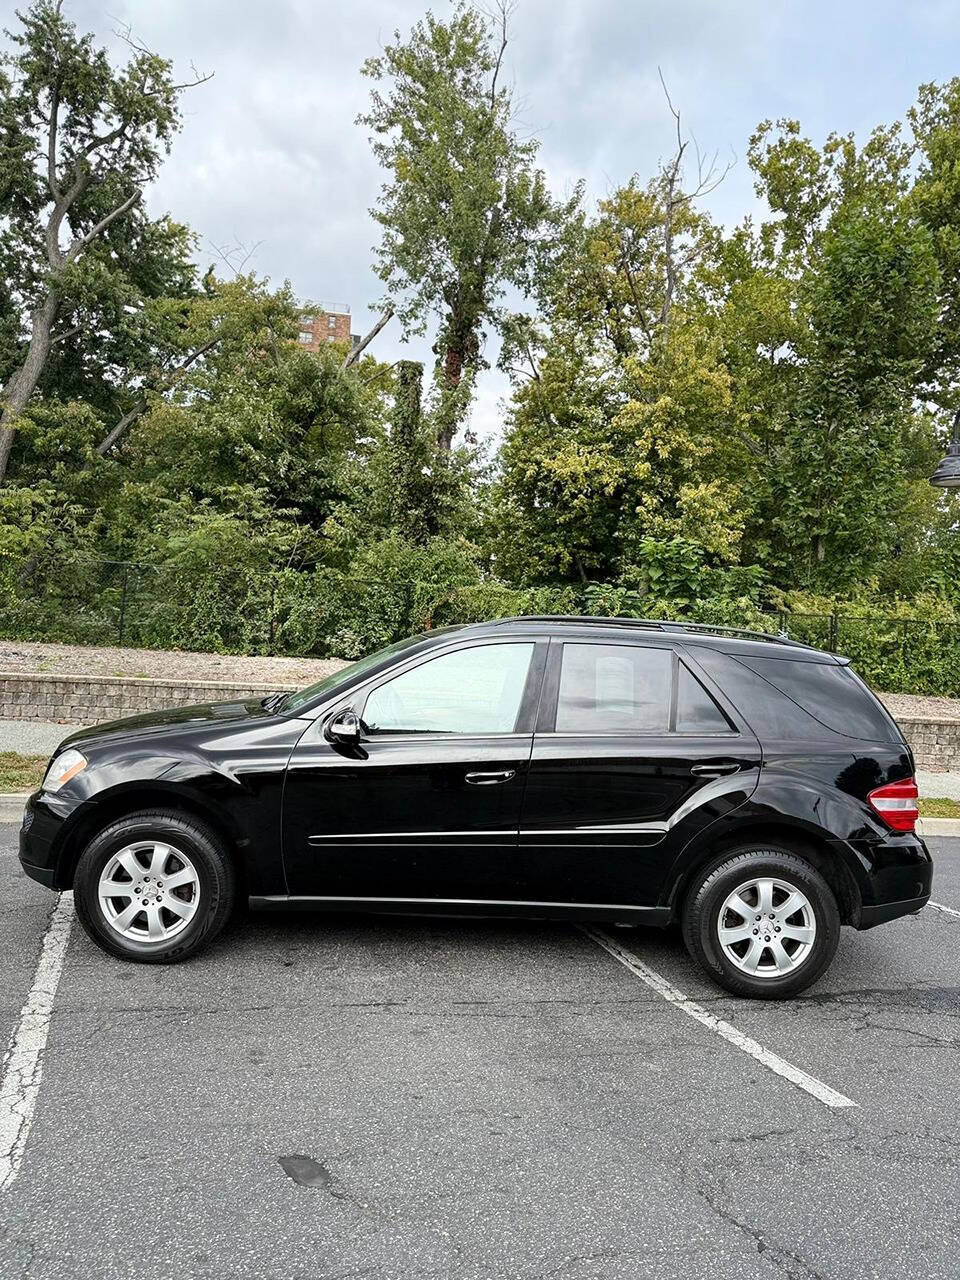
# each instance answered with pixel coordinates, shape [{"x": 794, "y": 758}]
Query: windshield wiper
[{"x": 273, "y": 701}]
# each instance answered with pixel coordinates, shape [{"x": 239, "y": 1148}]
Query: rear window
[
  {"x": 783, "y": 698},
  {"x": 832, "y": 694}
]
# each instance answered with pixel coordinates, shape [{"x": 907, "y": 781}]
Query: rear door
[{"x": 634, "y": 754}]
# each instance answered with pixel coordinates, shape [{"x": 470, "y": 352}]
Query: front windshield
[{"x": 292, "y": 701}]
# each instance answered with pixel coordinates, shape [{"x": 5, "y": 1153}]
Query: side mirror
[{"x": 344, "y": 729}]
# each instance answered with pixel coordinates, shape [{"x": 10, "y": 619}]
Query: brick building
[{"x": 329, "y": 322}]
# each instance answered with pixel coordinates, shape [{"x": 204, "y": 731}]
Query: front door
[
  {"x": 428, "y": 806},
  {"x": 632, "y": 757}
]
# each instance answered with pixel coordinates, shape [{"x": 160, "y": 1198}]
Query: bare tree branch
[
  {"x": 173, "y": 376},
  {"x": 226, "y": 254},
  {"x": 62, "y": 337},
  {"x": 124, "y": 31},
  {"x": 504, "y": 9},
  {"x": 354, "y": 355},
  {"x": 79, "y": 245}
]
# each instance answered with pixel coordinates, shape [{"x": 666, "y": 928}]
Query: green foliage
[
  {"x": 82, "y": 264},
  {"x": 463, "y": 206},
  {"x": 732, "y": 427}
]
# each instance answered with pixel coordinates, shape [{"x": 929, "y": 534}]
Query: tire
[
  {"x": 166, "y": 905},
  {"x": 787, "y": 950}
]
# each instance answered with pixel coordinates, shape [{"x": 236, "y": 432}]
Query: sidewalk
[{"x": 33, "y": 737}]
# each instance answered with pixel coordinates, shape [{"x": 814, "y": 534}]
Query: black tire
[
  {"x": 711, "y": 889},
  {"x": 215, "y": 878}
]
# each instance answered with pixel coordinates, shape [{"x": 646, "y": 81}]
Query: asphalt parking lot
[{"x": 482, "y": 1100}]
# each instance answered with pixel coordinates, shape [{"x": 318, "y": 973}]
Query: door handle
[
  {"x": 490, "y": 779},
  {"x": 715, "y": 770}
]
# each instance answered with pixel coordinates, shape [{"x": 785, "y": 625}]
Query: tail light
[{"x": 896, "y": 804}]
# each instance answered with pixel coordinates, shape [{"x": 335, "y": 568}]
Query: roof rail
[{"x": 660, "y": 624}]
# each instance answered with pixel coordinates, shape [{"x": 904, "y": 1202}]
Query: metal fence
[{"x": 319, "y": 612}]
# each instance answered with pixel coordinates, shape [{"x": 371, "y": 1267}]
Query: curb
[
  {"x": 11, "y": 805},
  {"x": 939, "y": 827}
]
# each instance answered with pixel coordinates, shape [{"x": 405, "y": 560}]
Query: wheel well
[
  {"x": 804, "y": 844},
  {"x": 124, "y": 802}
]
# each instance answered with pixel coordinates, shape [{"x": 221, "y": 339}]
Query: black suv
[{"x": 751, "y": 788}]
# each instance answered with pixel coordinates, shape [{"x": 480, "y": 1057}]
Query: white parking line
[
  {"x": 772, "y": 1061},
  {"x": 938, "y": 906},
  {"x": 23, "y": 1064}
]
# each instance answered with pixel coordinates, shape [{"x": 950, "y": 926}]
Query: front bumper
[{"x": 41, "y": 837}]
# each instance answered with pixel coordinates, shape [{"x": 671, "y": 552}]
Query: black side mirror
[{"x": 344, "y": 729}]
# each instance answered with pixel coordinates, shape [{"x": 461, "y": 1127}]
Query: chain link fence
[{"x": 321, "y": 612}]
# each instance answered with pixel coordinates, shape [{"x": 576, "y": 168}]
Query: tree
[
  {"x": 80, "y": 140},
  {"x": 621, "y": 430},
  {"x": 837, "y": 294},
  {"x": 464, "y": 204}
]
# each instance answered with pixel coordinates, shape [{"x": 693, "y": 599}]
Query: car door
[
  {"x": 633, "y": 755},
  {"x": 427, "y": 806}
]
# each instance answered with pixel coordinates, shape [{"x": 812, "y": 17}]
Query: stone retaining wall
[
  {"x": 90, "y": 699},
  {"x": 936, "y": 743}
]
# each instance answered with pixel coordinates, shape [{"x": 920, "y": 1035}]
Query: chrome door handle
[
  {"x": 716, "y": 770},
  {"x": 490, "y": 779}
]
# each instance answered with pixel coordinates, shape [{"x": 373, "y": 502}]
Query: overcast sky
[{"x": 270, "y": 153}]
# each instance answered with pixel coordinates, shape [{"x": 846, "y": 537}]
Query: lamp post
[{"x": 947, "y": 474}]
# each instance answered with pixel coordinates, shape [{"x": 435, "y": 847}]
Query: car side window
[
  {"x": 476, "y": 690},
  {"x": 612, "y": 688},
  {"x": 697, "y": 712}
]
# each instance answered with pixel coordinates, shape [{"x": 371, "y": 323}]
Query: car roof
[{"x": 646, "y": 630}]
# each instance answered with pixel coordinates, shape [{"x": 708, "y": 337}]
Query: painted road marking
[
  {"x": 23, "y": 1064},
  {"x": 938, "y": 906},
  {"x": 772, "y": 1061}
]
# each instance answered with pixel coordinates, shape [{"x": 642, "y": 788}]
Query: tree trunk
[
  {"x": 406, "y": 463},
  {"x": 23, "y": 381}
]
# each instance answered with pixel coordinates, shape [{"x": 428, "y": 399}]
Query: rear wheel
[
  {"x": 154, "y": 887},
  {"x": 763, "y": 922}
]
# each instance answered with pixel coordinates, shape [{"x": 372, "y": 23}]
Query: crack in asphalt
[{"x": 791, "y": 1265}]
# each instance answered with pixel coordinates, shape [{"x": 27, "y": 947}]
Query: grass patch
[
  {"x": 939, "y": 809},
  {"x": 21, "y": 773}
]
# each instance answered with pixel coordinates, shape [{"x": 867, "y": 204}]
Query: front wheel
[
  {"x": 762, "y": 922},
  {"x": 154, "y": 887}
]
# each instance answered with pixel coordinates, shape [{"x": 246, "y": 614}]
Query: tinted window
[
  {"x": 770, "y": 713},
  {"x": 474, "y": 690},
  {"x": 610, "y": 688},
  {"x": 696, "y": 710},
  {"x": 831, "y": 693}
]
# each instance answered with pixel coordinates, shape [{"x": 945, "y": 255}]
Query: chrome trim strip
[
  {"x": 656, "y": 828},
  {"x": 406, "y": 835},
  {"x": 457, "y": 902}
]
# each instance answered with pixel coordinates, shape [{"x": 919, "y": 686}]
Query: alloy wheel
[
  {"x": 148, "y": 891},
  {"x": 766, "y": 927}
]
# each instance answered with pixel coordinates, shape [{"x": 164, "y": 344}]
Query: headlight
[{"x": 62, "y": 768}]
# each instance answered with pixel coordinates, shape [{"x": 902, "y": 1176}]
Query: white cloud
[{"x": 270, "y": 151}]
